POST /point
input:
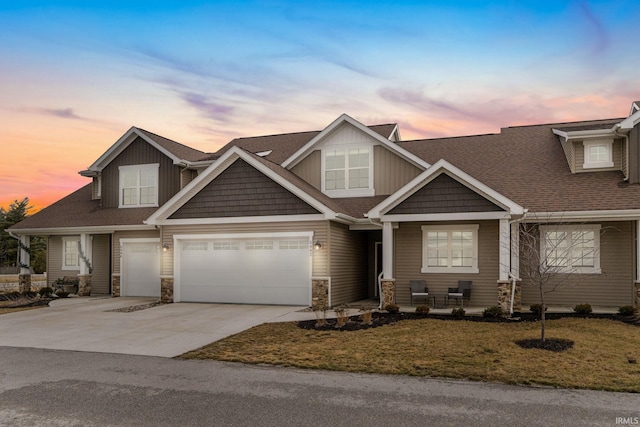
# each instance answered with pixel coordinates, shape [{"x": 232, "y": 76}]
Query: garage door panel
[
  {"x": 141, "y": 269},
  {"x": 251, "y": 271}
]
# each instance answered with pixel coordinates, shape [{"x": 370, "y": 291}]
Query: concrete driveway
[{"x": 86, "y": 324}]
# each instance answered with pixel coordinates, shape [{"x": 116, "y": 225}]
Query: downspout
[{"x": 514, "y": 279}]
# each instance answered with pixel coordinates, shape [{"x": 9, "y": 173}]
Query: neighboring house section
[{"x": 352, "y": 212}]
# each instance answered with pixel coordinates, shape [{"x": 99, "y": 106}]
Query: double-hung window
[
  {"x": 450, "y": 249},
  {"x": 71, "y": 253},
  {"x": 570, "y": 248},
  {"x": 139, "y": 185},
  {"x": 348, "y": 172}
]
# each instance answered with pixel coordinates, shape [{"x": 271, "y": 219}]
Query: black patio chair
[{"x": 461, "y": 293}]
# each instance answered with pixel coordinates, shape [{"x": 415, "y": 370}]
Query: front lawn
[{"x": 605, "y": 355}]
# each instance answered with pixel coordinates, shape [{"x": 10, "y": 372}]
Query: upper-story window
[
  {"x": 347, "y": 172},
  {"x": 139, "y": 185},
  {"x": 598, "y": 154}
]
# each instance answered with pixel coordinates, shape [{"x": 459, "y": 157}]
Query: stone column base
[
  {"x": 504, "y": 296},
  {"x": 115, "y": 285},
  {"x": 388, "y": 292},
  {"x": 24, "y": 282},
  {"x": 84, "y": 285},
  {"x": 320, "y": 294},
  {"x": 166, "y": 289}
]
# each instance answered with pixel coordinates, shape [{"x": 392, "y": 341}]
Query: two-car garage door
[{"x": 244, "y": 269}]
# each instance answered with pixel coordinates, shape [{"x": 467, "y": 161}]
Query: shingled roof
[{"x": 179, "y": 150}]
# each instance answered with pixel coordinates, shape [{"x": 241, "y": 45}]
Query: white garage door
[
  {"x": 256, "y": 270},
  {"x": 140, "y": 269}
]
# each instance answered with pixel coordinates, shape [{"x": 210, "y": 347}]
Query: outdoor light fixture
[
  {"x": 317, "y": 246},
  {"x": 165, "y": 247}
]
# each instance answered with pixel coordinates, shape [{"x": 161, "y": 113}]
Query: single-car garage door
[
  {"x": 140, "y": 264},
  {"x": 260, "y": 269}
]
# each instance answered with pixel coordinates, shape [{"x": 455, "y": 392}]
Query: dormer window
[
  {"x": 598, "y": 154},
  {"x": 139, "y": 185},
  {"x": 347, "y": 172}
]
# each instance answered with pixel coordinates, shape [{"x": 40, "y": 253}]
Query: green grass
[{"x": 601, "y": 358}]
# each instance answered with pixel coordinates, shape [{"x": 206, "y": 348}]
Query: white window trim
[
  {"x": 99, "y": 184},
  {"x": 347, "y": 192},
  {"x": 450, "y": 228},
  {"x": 570, "y": 228},
  {"x": 66, "y": 239},
  {"x": 122, "y": 169},
  {"x": 588, "y": 164}
]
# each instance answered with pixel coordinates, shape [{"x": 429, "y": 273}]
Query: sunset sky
[{"x": 74, "y": 78}]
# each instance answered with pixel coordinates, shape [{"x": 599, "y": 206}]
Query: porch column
[
  {"x": 515, "y": 249},
  {"x": 86, "y": 266},
  {"x": 388, "y": 283},
  {"x": 505, "y": 249},
  {"x": 24, "y": 278},
  {"x": 636, "y": 299}
]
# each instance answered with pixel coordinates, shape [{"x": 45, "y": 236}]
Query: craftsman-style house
[{"x": 351, "y": 212}]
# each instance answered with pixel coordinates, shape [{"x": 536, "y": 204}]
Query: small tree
[
  {"x": 551, "y": 255},
  {"x": 9, "y": 247}
]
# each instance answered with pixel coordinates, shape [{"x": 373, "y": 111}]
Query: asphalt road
[{"x": 61, "y": 388}]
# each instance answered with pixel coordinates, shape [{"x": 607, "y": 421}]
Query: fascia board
[
  {"x": 581, "y": 216},
  {"x": 631, "y": 121},
  {"x": 241, "y": 219},
  {"x": 462, "y": 216},
  {"x": 442, "y": 166},
  {"x": 344, "y": 118},
  {"x": 122, "y": 143},
  {"x": 102, "y": 229},
  {"x": 585, "y": 134}
]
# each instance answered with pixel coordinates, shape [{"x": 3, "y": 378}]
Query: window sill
[
  {"x": 600, "y": 165},
  {"x": 356, "y": 192},
  {"x": 155, "y": 205},
  {"x": 448, "y": 270}
]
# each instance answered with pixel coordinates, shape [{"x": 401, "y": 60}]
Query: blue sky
[{"x": 76, "y": 75}]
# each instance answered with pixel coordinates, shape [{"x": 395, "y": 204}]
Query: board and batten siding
[
  {"x": 390, "y": 172},
  {"x": 139, "y": 152},
  {"x": 100, "y": 259},
  {"x": 408, "y": 264},
  {"x": 348, "y": 264},
  {"x": 319, "y": 229},
  {"x": 141, "y": 234},
  {"x": 612, "y": 288}
]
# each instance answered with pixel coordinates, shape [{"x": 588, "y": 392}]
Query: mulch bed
[
  {"x": 552, "y": 344},
  {"x": 383, "y": 318},
  {"x": 133, "y": 308}
]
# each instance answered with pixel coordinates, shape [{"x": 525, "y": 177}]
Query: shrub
[
  {"x": 367, "y": 315},
  {"x": 627, "y": 310},
  {"x": 10, "y": 296},
  {"x": 46, "y": 291},
  {"x": 537, "y": 309},
  {"x": 62, "y": 294},
  {"x": 423, "y": 309},
  {"x": 341, "y": 316},
  {"x": 583, "y": 309},
  {"x": 392, "y": 308},
  {"x": 493, "y": 311},
  {"x": 458, "y": 312},
  {"x": 29, "y": 294}
]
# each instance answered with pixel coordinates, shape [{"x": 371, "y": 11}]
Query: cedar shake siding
[
  {"x": 390, "y": 171},
  {"x": 348, "y": 264},
  {"x": 444, "y": 195},
  {"x": 140, "y": 152},
  {"x": 612, "y": 288},
  {"x": 239, "y": 191},
  {"x": 320, "y": 265},
  {"x": 408, "y": 263}
]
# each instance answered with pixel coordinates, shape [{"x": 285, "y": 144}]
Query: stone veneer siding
[
  {"x": 504, "y": 296},
  {"x": 24, "y": 282},
  {"x": 388, "y": 292},
  {"x": 84, "y": 285},
  {"x": 319, "y": 294},
  {"x": 115, "y": 285},
  {"x": 166, "y": 289}
]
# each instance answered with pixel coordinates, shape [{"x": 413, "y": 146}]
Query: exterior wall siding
[
  {"x": 319, "y": 229},
  {"x": 101, "y": 257},
  {"x": 614, "y": 287},
  {"x": 444, "y": 195},
  {"x": 241, "y": 190},
  {"x": 569, "y": 152},
  {"x": 617, "y": 156},
  {"x": 140, "y": 152},
  {"x": 634, "y": 155},
  {"x": 54, "y": 261},
  {"x": 348, "y": 257},
  {"x": 115, "y": 241},
  {"x": 390, "y": 172},
  {"x": 408, "y": 263},
  {"x": 310, "y": 169}
]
